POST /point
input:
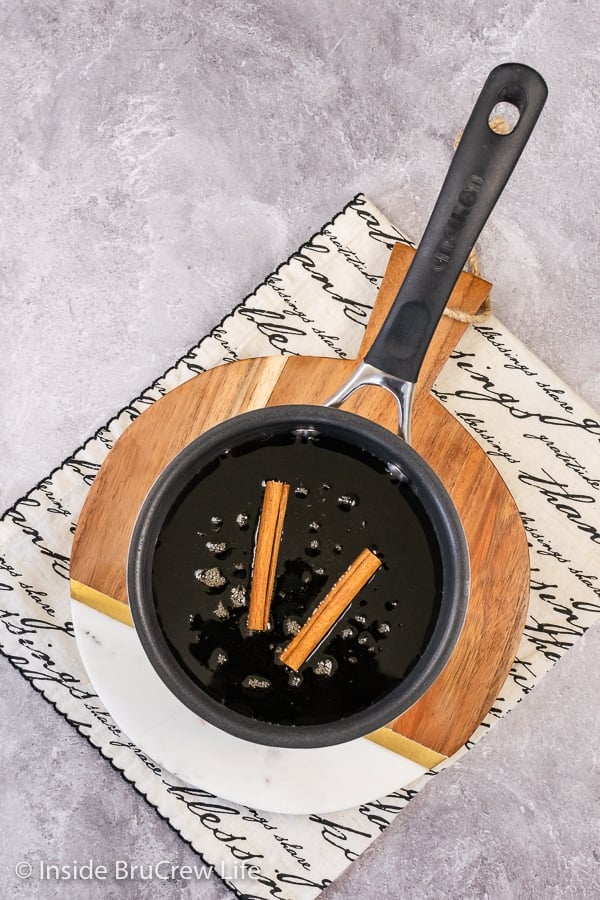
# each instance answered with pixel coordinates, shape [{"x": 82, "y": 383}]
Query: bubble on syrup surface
[
  {"x": 238, "y": 596},
  {"x": 347, "y": 502},
  {"x": 366, "y": 641},
  {"x": 325, "y": 667},
  {"x": 291, "y": 626},
  {"x": 221, "y": 611},
  {"x": 348, "y": 632},
  {"x": 256, "y": 683},
  {"x": 218, "y": 658},
  {"x": 218, "y": 548},
  {"x": 306, "y": 433},
  {"x": 211, "y": 578}
]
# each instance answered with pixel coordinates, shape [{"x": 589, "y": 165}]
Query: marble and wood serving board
[{"x": 448, "y": 714}]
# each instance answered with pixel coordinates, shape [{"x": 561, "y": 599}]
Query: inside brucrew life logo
[{"x": 123, "y": 870}]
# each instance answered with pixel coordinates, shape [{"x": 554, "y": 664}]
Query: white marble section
[{"x": 268, "y": 778}]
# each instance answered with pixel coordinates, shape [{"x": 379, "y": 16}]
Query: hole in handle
[{"x": 504, "y": 117}]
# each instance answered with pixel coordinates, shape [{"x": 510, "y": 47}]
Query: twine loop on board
[{"x": 500, "y": 126}]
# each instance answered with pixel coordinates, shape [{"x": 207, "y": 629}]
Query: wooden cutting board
[{"x": 448, "y": 714}]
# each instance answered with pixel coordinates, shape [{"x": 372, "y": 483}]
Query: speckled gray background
[{"x": 157, "y": 161}]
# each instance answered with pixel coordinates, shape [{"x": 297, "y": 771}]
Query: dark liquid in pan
[{"x": 341, "y": 501}]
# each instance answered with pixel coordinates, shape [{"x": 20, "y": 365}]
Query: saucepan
[{"x": 353, "y": 488}]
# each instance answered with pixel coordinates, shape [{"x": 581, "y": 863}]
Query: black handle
[{"x": 482, "y": 164}]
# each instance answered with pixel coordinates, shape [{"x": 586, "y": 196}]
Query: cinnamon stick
[
  {"x": 327, "y": 613},
  {"x": 270, "y": 528}
]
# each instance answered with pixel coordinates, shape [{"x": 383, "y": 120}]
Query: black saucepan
[{"x": 353, "y": 485}]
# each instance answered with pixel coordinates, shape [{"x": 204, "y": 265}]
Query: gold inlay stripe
[
  {"x": 406, "y": 747},
  {"x": 102, "y": 602}
]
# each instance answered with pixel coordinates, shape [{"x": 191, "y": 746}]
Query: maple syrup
[{"x": 342, "y": 499}]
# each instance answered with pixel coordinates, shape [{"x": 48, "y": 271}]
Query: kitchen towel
[{"x": 541, "y": 436}]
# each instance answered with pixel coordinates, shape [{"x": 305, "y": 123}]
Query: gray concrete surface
[{"x": 157, "y": 160}]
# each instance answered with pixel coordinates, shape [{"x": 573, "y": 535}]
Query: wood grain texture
[{"x": 448, "y": 714}]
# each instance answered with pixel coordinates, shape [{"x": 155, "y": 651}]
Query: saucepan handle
[{"x": 478, "y": 173}]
